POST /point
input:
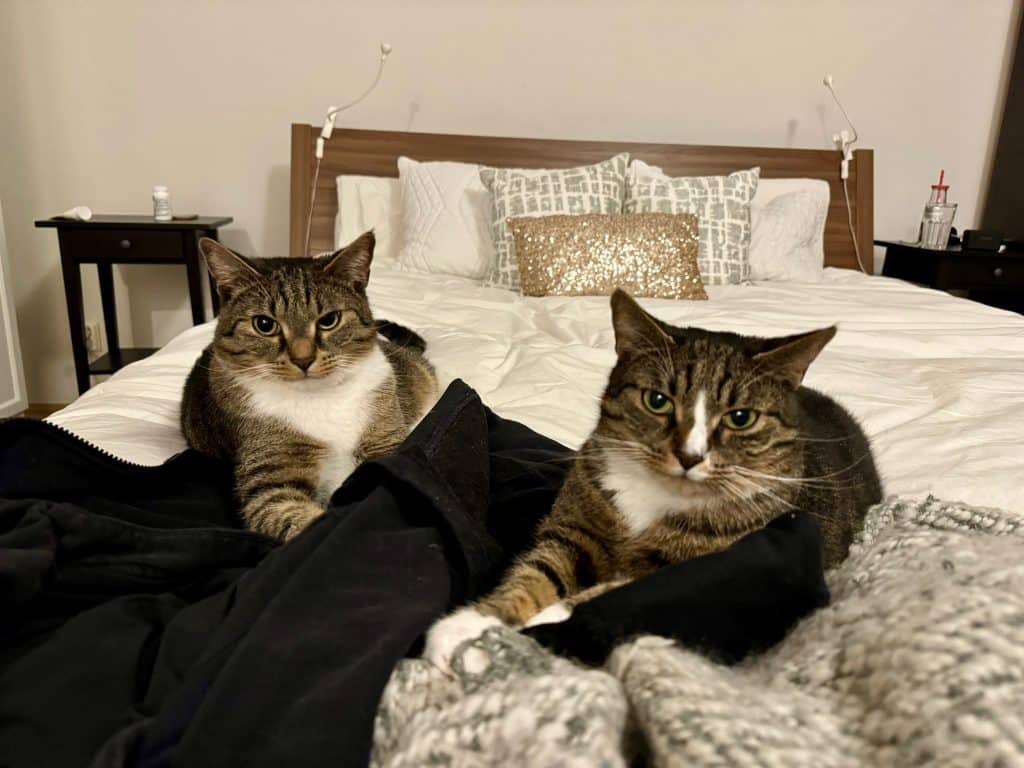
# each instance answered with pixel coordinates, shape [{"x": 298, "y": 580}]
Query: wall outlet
[{"x": 92, "y": 337}]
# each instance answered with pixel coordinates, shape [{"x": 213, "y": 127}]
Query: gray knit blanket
[{"x": 918, "y": 660}]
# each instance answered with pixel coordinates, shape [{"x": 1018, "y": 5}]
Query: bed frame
[{"x": 375, "y": 153}]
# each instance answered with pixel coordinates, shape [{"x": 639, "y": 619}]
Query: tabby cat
[
  {"x": 703, "y": 437},
  {"x": 296, "y": 388}
]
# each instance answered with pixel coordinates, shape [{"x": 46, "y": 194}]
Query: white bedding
[{"x": 937, "y": 382}]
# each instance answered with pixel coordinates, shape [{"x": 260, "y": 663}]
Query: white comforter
[{"x": 937, "y": 382}]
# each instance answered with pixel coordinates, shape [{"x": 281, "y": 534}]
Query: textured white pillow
[
  {"x": 446, "y": 224},
  {"x": 722, "y": 204},
  {"x": 787, "y": 238},
  {"x": 369, "y": 202}
]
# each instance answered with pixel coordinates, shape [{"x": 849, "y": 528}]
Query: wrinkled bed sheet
[{"x": 937, "y": 381}]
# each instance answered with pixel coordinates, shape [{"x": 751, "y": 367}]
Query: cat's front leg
[
  {"x": 276, "y": 483},
  {"x": 281, "y": 518},
  {"x": 553, "y": 614},
  {"x": 447, "y": 634},
  {"x": 562, "y": 610},
  {"x": 525, "y": 592}
]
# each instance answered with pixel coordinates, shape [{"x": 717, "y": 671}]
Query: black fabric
[
  {"x": 728, "y": 604},
  {"x": 139, "y": 625}
]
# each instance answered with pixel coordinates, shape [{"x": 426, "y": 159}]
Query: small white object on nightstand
[{"x": 162, "y": 204}]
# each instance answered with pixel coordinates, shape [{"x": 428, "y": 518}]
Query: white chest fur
[
  {"x": 642, "y": 496},
  {"x": 333, "y": 410}
]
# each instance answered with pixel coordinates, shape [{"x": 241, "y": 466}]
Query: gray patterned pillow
[
  {"x": 519, "y": 192},
  {"x": 722, "y": 204}
]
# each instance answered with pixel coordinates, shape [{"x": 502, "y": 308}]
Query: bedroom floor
[{"x": 40, "y": 411}]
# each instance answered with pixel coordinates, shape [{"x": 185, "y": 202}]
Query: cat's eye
[
  {"x": 265, "y": 325},
  {"x": 740, "y": 419},
  {"x": 329, "y": 321},
  {"x": 657, "y": 402}
]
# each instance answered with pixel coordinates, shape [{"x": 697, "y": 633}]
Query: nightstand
[
  {"x": 990, "y": 277},
  {"x": 108, "y": 240}
]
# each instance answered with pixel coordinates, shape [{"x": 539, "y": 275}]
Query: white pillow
[
  {"x": 787, "y": 236},
  {"x": 792, "y": 245},
  {"x": 446, "y": 223},
  {"x": 368, "y": 202}
]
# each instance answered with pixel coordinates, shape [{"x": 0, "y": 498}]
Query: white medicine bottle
[{"x": 161, "y": 204}]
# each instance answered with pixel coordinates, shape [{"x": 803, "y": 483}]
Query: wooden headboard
[{"x": 375, "y": 153}]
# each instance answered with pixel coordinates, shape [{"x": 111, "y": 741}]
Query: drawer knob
[
  {"x": 126, "y": 244},
  {"x": 997, "y": 272}
]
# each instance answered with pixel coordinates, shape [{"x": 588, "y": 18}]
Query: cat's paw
[
  {"x": 553, "y": 614},
  {"x": 298, "y": 518},
  {"x": 450, "y": 632}
]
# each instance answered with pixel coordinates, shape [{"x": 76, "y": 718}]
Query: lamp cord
[
  {"x": 380, "y": 70},
  {"x": 839, "y": 104},
  {"x": 312, "y": 202},
  {"x": 853, "y": 234},
  {"x": 385, "y": 51}
]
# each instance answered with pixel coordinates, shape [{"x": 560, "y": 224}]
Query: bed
[
  {"x": 937, "y": 381},
  {"x": 918, "y": 658}
]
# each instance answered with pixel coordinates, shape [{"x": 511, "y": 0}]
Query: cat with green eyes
[
  {"x": 297, "y": 388},
  {"x": 703, "y": 437}
]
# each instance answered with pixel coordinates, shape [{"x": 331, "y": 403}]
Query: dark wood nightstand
[
  {"x": 990, "y": 277},
  {"x": 108, "y": 240}
]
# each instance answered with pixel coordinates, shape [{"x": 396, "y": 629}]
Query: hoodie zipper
[{"x": 87, "y": 444}]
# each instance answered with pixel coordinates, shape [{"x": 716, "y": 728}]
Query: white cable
[
  {"x": 828, "y": 84},
  {"x": 846, "y": 147},
  {"x": 385, "y": 51},
  {"x": 328, "y": 129},
  {"x": 312, "y": 200},
  {"x": 849, "y": 219}
]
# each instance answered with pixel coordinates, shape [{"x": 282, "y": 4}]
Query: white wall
[{"x": 102, "y": 99}]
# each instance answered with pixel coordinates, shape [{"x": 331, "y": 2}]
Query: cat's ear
[
  {"x": 352, "y": 263},
  {"x": 228, "y": 268},
  {"x": 634, "y": 328},
  {"x": 790, "y": 356}
]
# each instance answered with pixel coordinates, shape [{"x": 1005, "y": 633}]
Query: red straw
[{"x": 942, "y": 175}]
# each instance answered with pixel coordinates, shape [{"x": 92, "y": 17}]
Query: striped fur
[
  {"x": 297, "y": 409},
  {"x": 647, "y": 489}
]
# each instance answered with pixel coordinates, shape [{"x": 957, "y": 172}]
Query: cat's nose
[
  {"x": 303, "y": 362},
  {"x": 302, "y": 353},
  {"x": 689, "y": 460}
]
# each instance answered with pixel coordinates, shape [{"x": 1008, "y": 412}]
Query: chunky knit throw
[{"x": 918, "y": 660}]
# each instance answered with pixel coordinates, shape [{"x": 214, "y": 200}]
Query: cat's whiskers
[
  {"x": 746, "y": 501},
  {"x": 795, "y": 483},
  {"x": 842, "y": 438},
  {"x": 265, "y": 371},
  {"x": 798, "y": 480},
  {"x": 610, "y": 447},
  {"x": 760, "y": 489},
  {"x": 763, "y": 490}
]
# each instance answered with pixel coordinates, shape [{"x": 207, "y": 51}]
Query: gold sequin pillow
[{"x": 647, "y": 254}]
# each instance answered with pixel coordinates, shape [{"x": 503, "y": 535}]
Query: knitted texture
[{"x": 918, "y": 660}]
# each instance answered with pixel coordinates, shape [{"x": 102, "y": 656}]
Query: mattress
[{"x": 936, "y": 381}]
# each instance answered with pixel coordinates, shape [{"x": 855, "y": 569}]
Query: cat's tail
[{"x": 400, "y": 335}]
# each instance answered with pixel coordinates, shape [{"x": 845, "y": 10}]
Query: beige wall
[{"x": 103, "y": 99}]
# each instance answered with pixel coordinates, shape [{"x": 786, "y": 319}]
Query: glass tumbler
[{"x": 937, "y": 221}]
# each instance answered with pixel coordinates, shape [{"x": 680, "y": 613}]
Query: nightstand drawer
[
  {"x": 123, "y": 245},
  {"x": 975, "y": 272}
]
